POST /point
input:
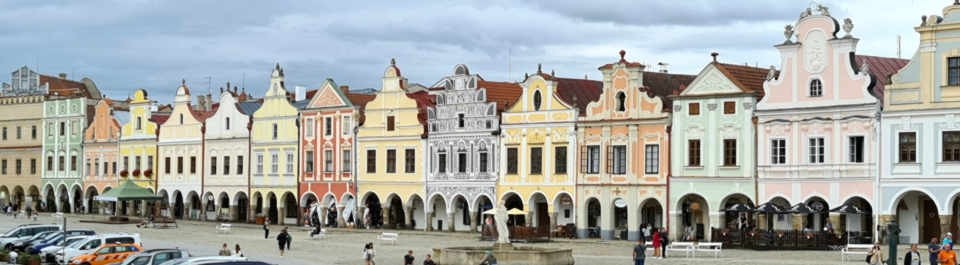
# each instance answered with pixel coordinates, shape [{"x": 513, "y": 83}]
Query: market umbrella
[
  {"x": 767, "y": 209},
  {"x": 801, "y": 208},
  {"x": 128, "y": 191},
  {"x": 513, "y": 211},
  {"x": 848, "y": 209},
  {"x": 738, "y": 207}
]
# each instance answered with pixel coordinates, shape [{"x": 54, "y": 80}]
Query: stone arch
[
  {"x": 305, "y": 199},
  {"x": 367, "y": 198},
  {"x": 223, "y": 199},
  {"x": 432, "y": 201},
  {"x": 237, "y": 197},
  {"x": 329, "y": 200},
  {"x": 345, "y": 197},
  {"x": 651, "y": 211},
  {"x": 687, "y": 216},
  {"x": 565, "y": 206}
]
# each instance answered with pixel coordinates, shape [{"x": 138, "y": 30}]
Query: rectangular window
[
  {"x": 536, "y": 160},
  {"x": 951, "y": 146},
  {"x": 137, "y": 162},
  {"x": 89, "y": 168},
  {"x": 856, "y": 149},
  {"x": 226, "y": 165},
  {"x": 391, "y": 161},
  {"x": 50, "y": 129},
  {"x": 693, "y": 153},
  {"x": 730, "y": 153},
  {"x": 512, "y": 160},
  {"x": 179, "y": 165},
  {"x": 729, "y": 107},
  {"x": 483, "y": 162},
  {"x": 259, "y": 163},
  {"x": 442, "y": 163},
  {"x": 19, "y": 167},
  {"x": 33, "y": 132},
  {"x": 954, "y": 71},
  {"x": 105, "y": 168},
  {"x": 193, "y": 165},
  {"x": 3, "y": 167},
  {"x": 460, "y": 120},
  {"x": 310, "y": 126},
  {"x": 113, "y": 168},
  {"x": 817, "y": 150},
  {"x": 166, "y": 164},
  {"x": 4, "y": 133},
  {"x": 462, "y": 162},
  {"x": 778, "y": 151},
  {"x": 651, "y": 159},
  {"x": 328, "y": 126},
  {"x": 274, "y": 163},
  {"x": 19, "y": 134},
  {"x": 126, "y": 164},
  {"x": 240, "y": 165},
  {"x": 346, "y": 167},
  {"x": 410, "y": 159},
  {"x": 309, "y": 160},
  {"x": 49, "y": 163},
  {"x": 390, "y": 123},
  {"x": 593, "y": 159},
  {"x": 693, "y": 109},
  {"x": 96, "y": 166},
  {"x": 213, "y": 165},
  {"x": 908, "y": 147},
  {"x": 150, "y": 162},
  {"x": 290, "y": 161},
  {"x": 328, "y": 160},
  {"x": 63, "y": 128},
  {"x": 61, "y": 163},
  {"x": 347, "y": 125},
  {"x": 276, "y": 131},
  {"x": 33, "y": 166},
  {"x": 560, "y": 160},
  {"x": 371, "y": 161},
  {"x": 620, "y": 159}
]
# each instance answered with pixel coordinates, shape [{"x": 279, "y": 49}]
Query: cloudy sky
[{"x": 152, "y": 44}]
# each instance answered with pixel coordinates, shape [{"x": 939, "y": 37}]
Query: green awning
[{"x": 128, "y": 191}]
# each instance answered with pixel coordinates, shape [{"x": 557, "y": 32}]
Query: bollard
[{"x": 893, "y": 235}]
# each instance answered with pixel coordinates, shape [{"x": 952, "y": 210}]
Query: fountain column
[{"x": 473, "y": 222}]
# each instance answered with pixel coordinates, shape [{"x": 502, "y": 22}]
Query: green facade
[{"x": 63, "y": 163}]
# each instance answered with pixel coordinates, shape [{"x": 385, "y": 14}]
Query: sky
[{"x": 124, "y": 45}]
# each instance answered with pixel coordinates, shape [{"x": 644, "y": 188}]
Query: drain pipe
[
  {"x": 666, "y": 209},
  {"x": 877, "y": 190}
]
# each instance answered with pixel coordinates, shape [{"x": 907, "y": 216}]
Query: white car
[
  {"x": 203, "y": 260},
  {"x": 49, "y": 253},
  {"x": 94, "y": 242},
  {"x": 25, "y": 231}
]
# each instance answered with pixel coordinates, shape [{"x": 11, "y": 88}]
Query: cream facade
[
  {"x": 274, "y": 140},
  {"x": 180, "y": 156},
  {"x": 226, "y": 143}
]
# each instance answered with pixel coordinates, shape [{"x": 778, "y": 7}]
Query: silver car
[
  {"x": 155, "y": 256},
  {"x": 203, "y": 260}
]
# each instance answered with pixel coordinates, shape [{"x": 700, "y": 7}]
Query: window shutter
[
  {"x": 583, "y": 159},
  {"x": 610, "y": 159}
]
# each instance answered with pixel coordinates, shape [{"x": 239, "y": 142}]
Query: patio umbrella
[
  {"x": 739, "y": 207},
  {"x": 767, "y": 209},
  {"x": 800, "y": 208},
  {"x": 848, "y": 209}
]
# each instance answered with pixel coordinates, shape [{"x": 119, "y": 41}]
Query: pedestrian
[
  {"x": 428, "y": 261},
  {"x": 315, "y": 231},
  {"x": 282, "y": 241},
  {"x": 639, "y": 252},
  {"x": 912, "y": 257},
  {"x": 408, "y": 259},
  {"x": 644, "y": 231},
  {"x": 934, "y": 250},
  {"x": 875, "y": 256},
  {"x": 656, "y": 245},
  {"x": 663, "y": 243},
  {"x": 369, "y": 254},
  {"x": 237, "y": 252},
  {"x": 225, "y": 251},
  {"x": 946, "y": 256},
  {"x": 289, "y": 237},
  {"x": 490, "y": 260},
  {"x": 947, "y": 240},
  {"x": 366, "y": 216},
  {"x": 266, "y": 229}
]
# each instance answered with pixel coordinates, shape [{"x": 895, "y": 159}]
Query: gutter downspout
[
  {"x": 877, "y": 190},
  {"x": 203, "y": 172},
  {"x": 249, "y": 159},
  {"x": 666, "y": 210},
  {"x": 356, "y": 173},
  {"x": 297, "y": 169}
]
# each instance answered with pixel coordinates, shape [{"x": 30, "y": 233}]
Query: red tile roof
[
  {"x": 623, "y": 61},
  {"x": 64, "y": 87},
  {"x": 665, "y": 84},
  {"x": 747, "y": 78},
  {"x": 424, "y": 100},
  {"x": 881, "y": 68},
  {"x": 578, "y": 92},
  {"x": 501, "y": 93},
  {"x": 360, "y": 100},
  {"x": 159, "y": 119}
]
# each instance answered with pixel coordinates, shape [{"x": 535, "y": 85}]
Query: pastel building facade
[
  {"x": 329, "y": 154},
  {"x": 713, "y": 163},
  {"x": 101, "y": 141},
  {"x": 538, "y": 148},
  {"x": 463, "y": 146},
  {"x": 64, "y": 122},
  {"x": 274, "y": 147},
  {"x": 226, "y": 143},
  {"x": 920, "y": 135},
  {"x": 138, "y": 150},
  {"x": 391, "y": 160},
  {"x": 180, "y": 156}
]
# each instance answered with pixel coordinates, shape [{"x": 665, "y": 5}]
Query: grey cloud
[{"x": 685, "y": 12}]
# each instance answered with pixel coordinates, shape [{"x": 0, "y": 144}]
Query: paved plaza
[{"x": 344, "y": 246}]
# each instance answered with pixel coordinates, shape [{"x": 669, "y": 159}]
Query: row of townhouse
[{"x": 829, "y": 128}]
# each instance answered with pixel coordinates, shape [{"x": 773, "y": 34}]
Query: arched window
[
  {"x": 621, "y": 101},
  {"x": 816, "y": 88},
  {"x": 227, "y": 123},
  {"x": 139, "y": 123},
  {"x": 181, "y": 118},
  {"x": 536, "y": 100}
]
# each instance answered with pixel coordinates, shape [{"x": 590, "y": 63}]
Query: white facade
[
  {"x": 226, "y": 156},
  {"x": 181, "y": 157}
]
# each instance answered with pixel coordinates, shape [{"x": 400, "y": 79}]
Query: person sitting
[
  {"x": 316, "y": 230},
  {"x": 145, "y": 222}
]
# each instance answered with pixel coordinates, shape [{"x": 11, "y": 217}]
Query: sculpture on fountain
[{"x": 503, "y": 232}]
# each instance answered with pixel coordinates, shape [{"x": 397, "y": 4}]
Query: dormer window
[
  {"x": 816, "y": 88},
  {"x": 954, "y": 71},
  {"x": 621, "y": 101},
  {"x": 536, "y": 100}
]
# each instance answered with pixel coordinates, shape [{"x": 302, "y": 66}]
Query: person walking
[
  {"x": 934, "y": 250},
  {"x": 266, "y": 229},
  {"x": 875, "y": 256},
  {"x": 912, "y": 257},
  {"x": 289, "y": 237},
  {"x": 408, "y": 259},
  {"x": 237, "y": 252},
  {"x": 656, "y": 245},
  {"x": 639, "y": 252},
  {"x": 282, "y": 241},
  {"x": 224, "y": 251},
  {"x": 947, "y": 240},
  {"x": 428, "y": 261},
  {"x": 947, "y": 256},
  {"x": 663, "y": 243},
  {"x": 369, "y": 254}
]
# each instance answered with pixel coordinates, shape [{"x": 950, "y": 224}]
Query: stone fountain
[{"x": 503, "y": 250}]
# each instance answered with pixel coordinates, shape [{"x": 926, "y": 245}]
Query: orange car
[{"x": 107, "y": 254}]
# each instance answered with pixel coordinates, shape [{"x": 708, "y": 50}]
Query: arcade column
[
  {"x": 473, "y": 222},
  {"x": 429, "y": 226},
  {"x": 408, "y": 217},
  {"x": 450, "y": 222},
  {"x": 340, "y": 220}
]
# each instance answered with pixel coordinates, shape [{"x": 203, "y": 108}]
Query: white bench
[
  {"x": 225, "y": 228},
  {"x": 58, "y": 216},
  {"x": 714, "y": 247},
  {"x": 390, "y": 237},
  {"x": 648, "y": 246},
  {"x": 686, "y": 247},
  {"x": 323, "y": 233},
  {"x": 849, "y": 250}
]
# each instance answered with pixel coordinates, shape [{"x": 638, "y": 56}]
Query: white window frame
[
  {"x": 259, "y": 163},
  {"x": 863, "y": 149},
  {"x": 619, "y": 159},
  {"x": 347, "y": 124},
  {"x": 310, "y": 127},
  {"x": 346, "y": 160},
  {"x": 778, "y": 158},
  {"x": 593, "y": 159},
  {"x": 290, "y": 162},
  {"x": 651, "y": 159},
  {"x": 816, "y": 150},
  {"x": 274, "y": 163},
  {"x": 815, "y": 88},
  {"x": 328, "y": 160},
  {"x": 327, "y": 126}
]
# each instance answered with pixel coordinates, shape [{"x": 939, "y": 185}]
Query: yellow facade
[
  {"x": 274, "y": 149},
  {"x": 538, "y": 147},
  {"x": 138, "y": 148},
  {"x": 390, "y": 150}
]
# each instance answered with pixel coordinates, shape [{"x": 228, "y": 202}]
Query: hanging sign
[
  {"x": 566, "y": 201},
  {"x": 620, "y": 203}
]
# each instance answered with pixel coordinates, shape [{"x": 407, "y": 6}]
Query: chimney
[
  {"x": 209, "y": 103},
  {"x": 199, "y": 106},
  {"x": 663, "y": 67},
  {"x": 345, "y": 89},
  {"x": 301, "y": 93},
  {"x": 63, "y": 75}
]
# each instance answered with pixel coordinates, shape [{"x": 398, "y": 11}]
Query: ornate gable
[
  {"x": 329, "y": 96},
  {"x": 623, "y": 95},
  {"x": 711, "y": 81}
]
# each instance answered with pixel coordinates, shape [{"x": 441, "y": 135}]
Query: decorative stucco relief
[
  {"x": 857, "y": 126},
  {"x": 694, "y": 132},
  {"x": 653, "y": 137},
  {"x": 816, "y": 127},
  {"x": 815, "y": 51},
  {"x": 471, "y": 193},
  {"x": 747, "y": 105},
  {"x": 905, "y": 124},
  {"x": 730, "y": 131},
  {"x": 950, "y": 122},
  {"x": 677, "y": 108},
  {"x": 778, "y": 129},
  {"x": 928, "y": 47}
]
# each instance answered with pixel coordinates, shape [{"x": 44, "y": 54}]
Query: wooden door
[
  {"x": 931, "y": 221},
  {"x": 543, "y": 217}
]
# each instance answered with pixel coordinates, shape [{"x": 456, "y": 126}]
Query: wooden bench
[
  {"x": 715, "y": 247},
  {"x": 225, "y": 228},
  {"x": 686, "y": 247},
  {"x": 849, "y": 250},
  {"x": 323, "y": 233},
  {"x": 163, "y": 221},
  {"x": 58, "y": 216},
  {"x": 390, "y": 237}
]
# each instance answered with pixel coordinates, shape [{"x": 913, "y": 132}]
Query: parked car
[
  {"x": 156, "y": 256},
  {"x": 106, "y": 254},
  {"x": 23, "y": 244},
  {"x": 20, "y": 244},
  {"x": 35, "y": 247},
  {"x": 25, "y": 231},
  {"x": 95, "y": 242},
  {"x": 49, "y": 253},
  {"x": 204, "y": 260}
]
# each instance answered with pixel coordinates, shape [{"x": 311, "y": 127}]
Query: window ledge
[
  {"x": 729, "y": 167},
  {"x": 693, "y": 167}
]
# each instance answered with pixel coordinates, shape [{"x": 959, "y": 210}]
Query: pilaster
[{"x": 233, "y": 212}]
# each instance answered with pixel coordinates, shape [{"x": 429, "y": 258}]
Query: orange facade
[{"x": 101, "y": 151}]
